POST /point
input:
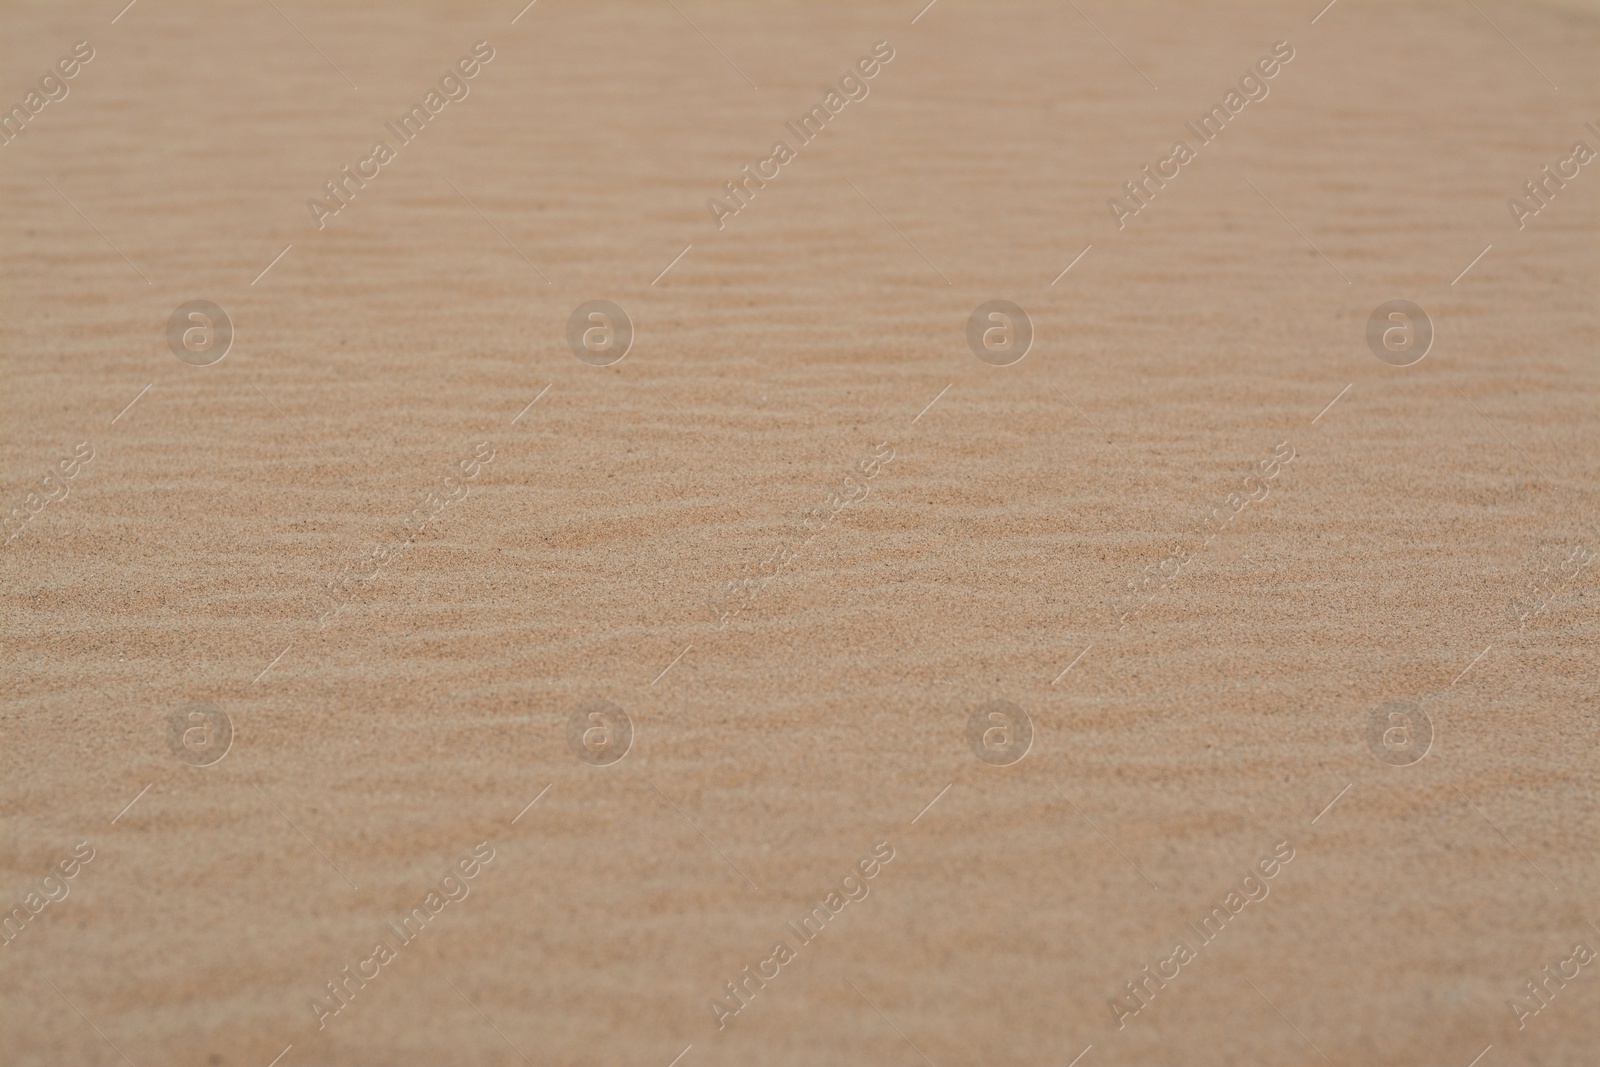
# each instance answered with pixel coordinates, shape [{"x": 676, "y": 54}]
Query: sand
[{"x": 912, "y": 533}]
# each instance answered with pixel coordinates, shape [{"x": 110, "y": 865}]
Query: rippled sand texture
[{"x": 911, "y": 534}]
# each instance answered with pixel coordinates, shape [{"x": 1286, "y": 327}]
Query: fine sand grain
[{"x": 910, "y": 533}]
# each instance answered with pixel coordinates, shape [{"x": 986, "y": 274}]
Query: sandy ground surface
[{"x": 947, "y": 533}]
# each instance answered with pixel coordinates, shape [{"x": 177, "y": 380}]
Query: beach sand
[{"x": 912, "y": 533}]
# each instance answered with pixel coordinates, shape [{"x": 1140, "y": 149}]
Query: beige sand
[{"x": 1391, "y": 559}]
